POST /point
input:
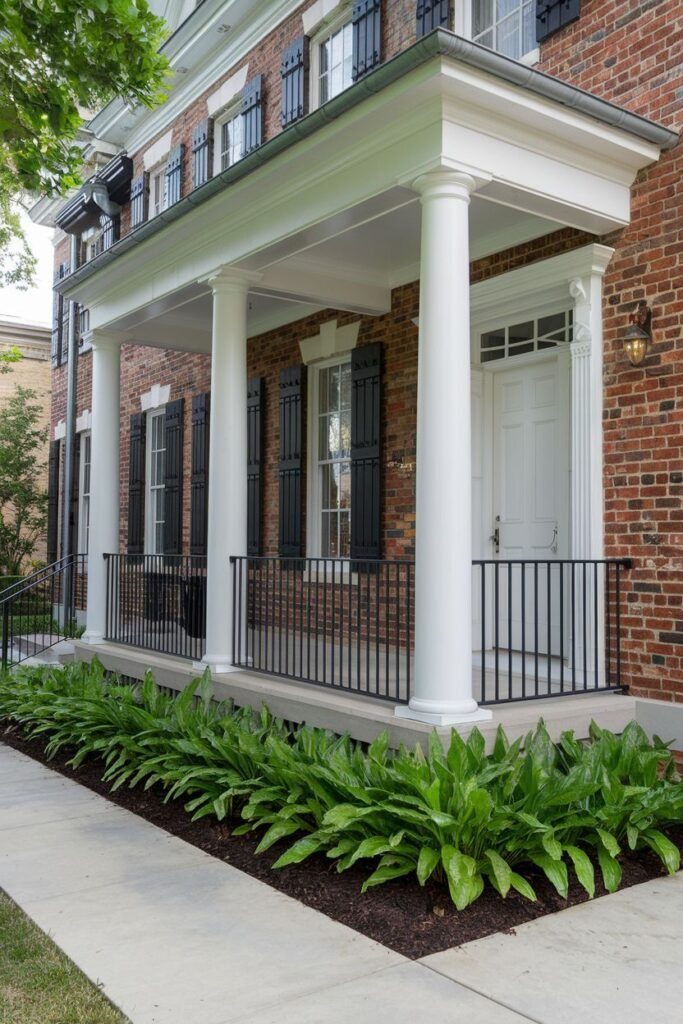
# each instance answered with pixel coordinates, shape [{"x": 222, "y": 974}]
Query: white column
[
  {"x": 104, "y": 478},
  {"x": 227, "y": 527},
  {"x": 443, "y": 544}
]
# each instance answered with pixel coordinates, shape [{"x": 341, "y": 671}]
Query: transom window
[
  {"x": 157, "y": 190},
  {"x": 84, "y": 493},
  {"x": 508, "y": 26},
  {"x": 228, "y": 140},
  {"x": 334, "y": 459},
  {"x": 156, "y": 475},
  {"x": 335, "y": 61},
  {"x": 545, "y": 332}
]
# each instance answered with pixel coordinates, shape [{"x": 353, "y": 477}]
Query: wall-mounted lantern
[{"x": 638, "y": 334}]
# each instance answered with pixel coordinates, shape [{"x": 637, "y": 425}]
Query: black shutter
[
  {"x": 174, "y": 175},
  {"x": 173, "y": 478},
  {"x": 199, "y": 479},
  {"x": 136, "y": 485},
  {"x": 252, "y": 113},
  {"x": 432, "y": 14},
  {"x": 366, "y": 451},
  {"x": 73, "y": 507},
  {"x": 367, "y": 36},
  {"x": 56, "y": 340},
  {"x": 254, "y": 440},
  {"x": 201, "y": 152},
  {"x": 53, "y": 501},
  {"x": 291, "y": 460},
  {"x": 552, "y": 15},
  {"x": 294, "y": 65},
  {"x": 139, "y": 199},
  {"x": 110, "y": 231}
]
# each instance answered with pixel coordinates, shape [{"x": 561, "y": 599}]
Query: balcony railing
[
  {"x": 157, "y": 602},
  {"x": 336, "y": 623},
  {"x": 540, "y": 628},
  {"x": 546, "y": 628}
]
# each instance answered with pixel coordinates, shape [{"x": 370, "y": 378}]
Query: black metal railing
[
  {"x": 546, "y": 628},
  {"x": 333, "y": 622},
  {"x": 40, "y": 610},
  {"x": 157, "y": 602}
]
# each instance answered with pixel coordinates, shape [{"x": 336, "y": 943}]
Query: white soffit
[{"x": 223, "y": 96}]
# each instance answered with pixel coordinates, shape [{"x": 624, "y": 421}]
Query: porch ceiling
[{"x": 354, "y": 270}]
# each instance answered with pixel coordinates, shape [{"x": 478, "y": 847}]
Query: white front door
[{"x": 530, "y": 499}]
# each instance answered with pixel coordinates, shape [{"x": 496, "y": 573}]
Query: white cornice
[
  {"x": 507, "y": 293},
  {"x": 215, "y": 53}
]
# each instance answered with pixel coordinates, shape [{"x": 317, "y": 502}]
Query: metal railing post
[{"x": 5, "y": 635}]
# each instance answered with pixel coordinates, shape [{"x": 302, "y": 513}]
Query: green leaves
[{"x": 458, "y": 817}]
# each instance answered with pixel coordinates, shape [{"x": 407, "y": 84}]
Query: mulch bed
[{"x": 413, "y": 921}]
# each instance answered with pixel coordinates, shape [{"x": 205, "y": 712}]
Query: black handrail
[{"x": 29, "y": 607}]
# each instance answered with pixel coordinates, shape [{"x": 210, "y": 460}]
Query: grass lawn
[{"x": 38, "y": 983}]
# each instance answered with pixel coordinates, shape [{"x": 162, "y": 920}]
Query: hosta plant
[{"x": 459, "y": 815}]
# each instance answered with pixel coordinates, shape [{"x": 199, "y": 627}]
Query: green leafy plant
[{"x": 462, "y": 816}]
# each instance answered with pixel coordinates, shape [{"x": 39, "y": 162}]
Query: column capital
[
  {"x": 99, "y": 338},
  {"x": 232, "y": 279},
  {"x": 443, "y": 183}
]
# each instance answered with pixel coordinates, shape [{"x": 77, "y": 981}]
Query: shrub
[{"x": 459, "y": 815}]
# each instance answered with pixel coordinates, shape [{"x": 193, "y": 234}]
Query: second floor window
[
  {"x": 84, "y": 494},
  {"x": 228, "y": 140},
  {"x": 157, "y": 189},
  {"x": 156, "y": 475},
  {"x": 332, "y": 61},
  {"x": 508, "y": 26}
]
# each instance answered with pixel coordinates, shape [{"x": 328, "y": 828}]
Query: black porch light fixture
[{"x": 638, "y": 334}]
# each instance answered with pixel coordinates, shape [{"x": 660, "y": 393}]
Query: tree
[
  {"x": 23, "y": 501},
  {"x": 57, "y": 59}
]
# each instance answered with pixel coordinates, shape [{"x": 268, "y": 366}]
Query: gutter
[{"x": 440, "y": 43}]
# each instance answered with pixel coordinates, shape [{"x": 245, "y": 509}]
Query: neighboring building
[
  {"x": 331, "y": 189},
  {"x": 31, "y": 371}
]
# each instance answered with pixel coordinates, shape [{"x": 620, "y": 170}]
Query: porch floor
[{"x": 345, "y": 711}]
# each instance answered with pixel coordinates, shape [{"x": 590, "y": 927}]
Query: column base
[
  {"x": 92, "y": 636},
  {"x": 219, "y": 664},
  {"x": 434, "y": 713}
]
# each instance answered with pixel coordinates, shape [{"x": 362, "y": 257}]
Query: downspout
[{"x": 69, "y": 450}]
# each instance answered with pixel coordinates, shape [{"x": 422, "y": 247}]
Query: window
[
  {"x": 156, "y": 473},
  {"x": 84, "y": 493},
  {"x": 508, "y": 26},
  {"x": 157, "y": 189},
  {"x": 332, "y": 60},
  {"x": 91, "y": 243},
  {"x": 332, "y": 466},
  {"x": 545, "y": 332},
  {"x": 228, "y": 140}
]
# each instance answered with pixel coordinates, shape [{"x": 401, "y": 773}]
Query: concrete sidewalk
[{"x": 177, "y": 937}]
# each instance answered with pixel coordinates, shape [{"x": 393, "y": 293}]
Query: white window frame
[
  {"x": 230, "y": 113},
  {"x": 150, "y": 489},
  {"x": 83, "y": 494},
  {"x": 89, "y": 239},
  {"x": 463, "y": 27},
  {"x": 157, "y": 173},
  {"x": 314, "y": 476},
  {"x": 328, "y": 28}
]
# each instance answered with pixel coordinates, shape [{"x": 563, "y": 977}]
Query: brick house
[{"x": 378, "y": 378}]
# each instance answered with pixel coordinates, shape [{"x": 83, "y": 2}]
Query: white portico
[{"x": 442, "y": 164}]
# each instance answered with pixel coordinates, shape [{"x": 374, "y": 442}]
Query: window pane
[
  {"x": 344, "y": 534},
  {"x": 521, "y": 332},
  {"x": 528, "y": 28},
  {"x": 507, "y": 36},
  {"x": 345, "y": 486},
  {"x": 325, "y": 51},
  {"x": 329, "y": 535},
  {"x": 505, "y": 7},
  {"x": 482, "y": 16}
]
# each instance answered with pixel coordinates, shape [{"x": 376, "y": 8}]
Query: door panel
[{"x": 530, "y": 501}]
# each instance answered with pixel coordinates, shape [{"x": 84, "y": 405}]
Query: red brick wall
[
  {"x": 631, "y": 52},
  {"x": 626, "y": 51}
]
